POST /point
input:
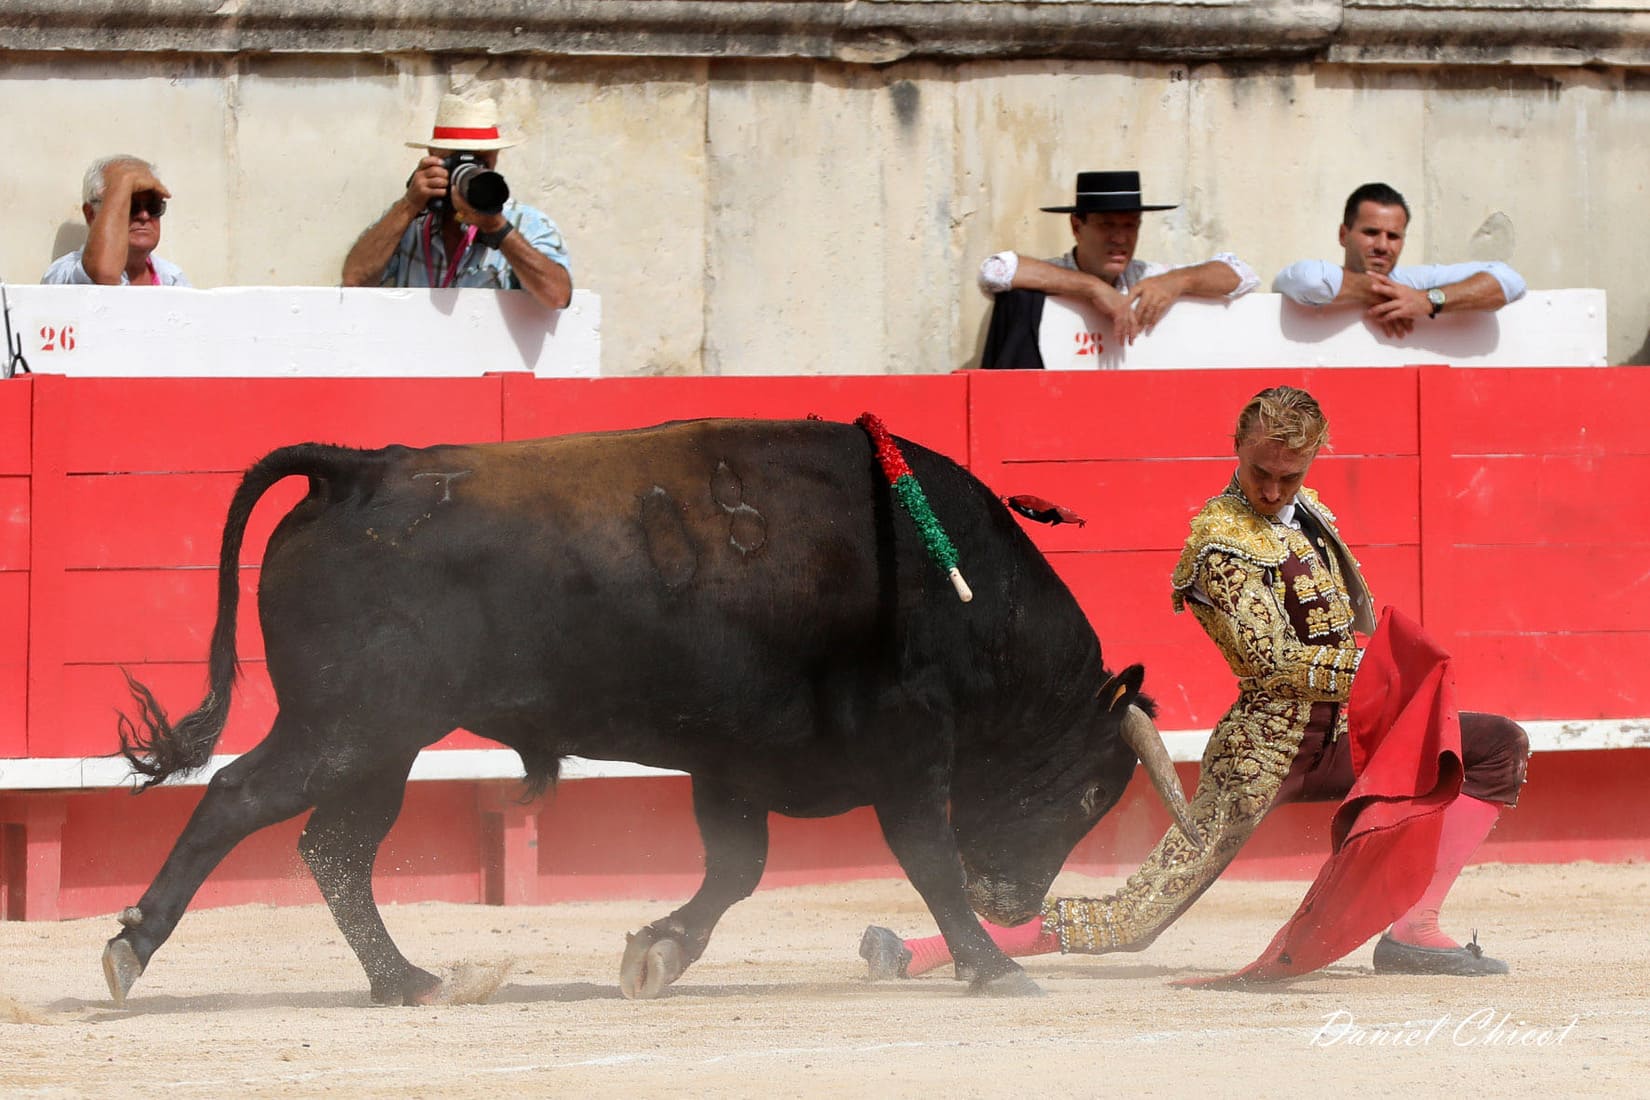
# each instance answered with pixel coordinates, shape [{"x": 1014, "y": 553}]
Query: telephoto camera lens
[{"x": 483, "y": 189}]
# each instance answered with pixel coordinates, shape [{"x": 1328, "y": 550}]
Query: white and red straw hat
[{"x": 464, "y": 125}]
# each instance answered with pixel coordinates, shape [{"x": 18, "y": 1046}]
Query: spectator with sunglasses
[{"x": 124, "y": 201}]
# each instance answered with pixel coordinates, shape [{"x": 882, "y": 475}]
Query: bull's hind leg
[
  {"x": 919, "y": 835},
  {"x": 735, "y": 835},
  {"x": 261, "y": 788},
  {"x": 340, "y": 844}
]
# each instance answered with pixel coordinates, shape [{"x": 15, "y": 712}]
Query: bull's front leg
[
  {"x": 735, "y": 836},
  {"x": 919, "y": 834}
]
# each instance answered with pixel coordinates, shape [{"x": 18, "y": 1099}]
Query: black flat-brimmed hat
[{"x": 1107, "y": 192}]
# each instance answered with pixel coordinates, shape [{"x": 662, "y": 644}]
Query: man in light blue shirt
[
  {"x": 435, "y": 236},
  {"x": 1393, "y": 298},
  {"x": 124, "y": 202}
]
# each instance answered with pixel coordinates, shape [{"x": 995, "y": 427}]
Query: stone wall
[{"x": 760, "y": 187}]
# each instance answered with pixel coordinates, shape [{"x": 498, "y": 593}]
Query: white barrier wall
[
  {"x": 247, "y": 332},
  {"x": 1545, "y": 328},
  {"x": 327, "y": 331},
  {"x": 1185, "y": 746},
  {"x": 1259, "y": 330}
]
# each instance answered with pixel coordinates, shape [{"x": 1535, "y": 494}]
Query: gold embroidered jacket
[
  {"x": 1244, "y": 573},
  {"x": 1283, "y": 616}
]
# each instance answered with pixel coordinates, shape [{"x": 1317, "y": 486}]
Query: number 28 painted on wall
[
  {"x": 1090, "y": 343},
  {"x": 57, "y": 339}
]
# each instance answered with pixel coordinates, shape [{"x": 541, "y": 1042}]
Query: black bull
[{"x": 743, "y": 601}]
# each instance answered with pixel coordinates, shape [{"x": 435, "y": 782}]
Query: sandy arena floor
[{"x": 264, "y": 1002}]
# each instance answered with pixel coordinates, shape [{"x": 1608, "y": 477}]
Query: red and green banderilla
[{"x": 915, "y": 502}]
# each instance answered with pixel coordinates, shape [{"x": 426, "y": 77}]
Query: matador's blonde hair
[{"x": 1284, "y": 415}]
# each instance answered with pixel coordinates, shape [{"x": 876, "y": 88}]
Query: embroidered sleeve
[{"x": 1245, "y": 619}]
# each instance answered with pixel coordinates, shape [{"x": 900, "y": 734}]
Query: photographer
[{"x": 456, "y": 225}]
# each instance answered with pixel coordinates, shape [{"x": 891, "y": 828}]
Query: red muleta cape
[{"x": 1406, "y": 757}]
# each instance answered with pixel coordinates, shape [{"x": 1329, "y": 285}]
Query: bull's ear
[{"x": 1121, "y": 690}]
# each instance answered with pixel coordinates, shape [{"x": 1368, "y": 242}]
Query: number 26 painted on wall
[{"x": 57, "y": 339}]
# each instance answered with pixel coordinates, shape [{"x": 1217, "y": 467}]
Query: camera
[{"x": 481, "y": 187}]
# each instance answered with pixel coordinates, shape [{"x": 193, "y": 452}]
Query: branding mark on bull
[
  {"x": 668, "y": 545},
  {"x": 444, "y": 481},
  {"x": 748, "y": 532}
]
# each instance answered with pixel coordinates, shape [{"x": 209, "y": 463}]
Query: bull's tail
[{"x": 153, "y": 745}]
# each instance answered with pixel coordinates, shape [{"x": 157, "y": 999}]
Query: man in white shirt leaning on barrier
[
  {"x": 1373, "y": 228},
  {"x": 1101, "y": 270}
]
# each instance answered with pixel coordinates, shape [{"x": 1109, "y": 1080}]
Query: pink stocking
[
  {"x": 1016, "y": 942},
  {"x": 1466, "y": 823}
]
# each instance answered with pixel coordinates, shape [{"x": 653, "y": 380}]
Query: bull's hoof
[
  {"x": 120, "y": 969},
  {"x": 651, "y": 963},
  {"x": 885, "y": 954},
  {"x": 1013, "y": 983},
  {"x": 417, "y": 987}
]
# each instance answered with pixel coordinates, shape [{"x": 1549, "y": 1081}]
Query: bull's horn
[{"x": 1141, "y": 733}]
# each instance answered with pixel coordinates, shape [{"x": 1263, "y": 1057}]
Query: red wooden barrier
[
  {"x": 15, "y": 441},
  {"x": 1503, "y": 506},
  {"x": 131, "y": 481},
  {"x": 929, "y": 409},
  {"x": 1534, "y": 515}
]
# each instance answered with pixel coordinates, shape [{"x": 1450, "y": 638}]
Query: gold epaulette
[
  {"x": 1319, "y": 509},
  {"x": 1229, "y": 525}
]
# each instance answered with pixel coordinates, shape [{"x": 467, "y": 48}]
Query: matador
[{"x": 1268, "y": 576}]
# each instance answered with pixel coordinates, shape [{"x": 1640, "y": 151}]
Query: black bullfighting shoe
[
  {"x": 885, "y": 954},
  {"x": 1393, "y": 957}
]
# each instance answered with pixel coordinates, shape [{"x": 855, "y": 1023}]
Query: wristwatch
[
  {"x": 1436, "y": 297},
  {"x": 496, "y": 238}
]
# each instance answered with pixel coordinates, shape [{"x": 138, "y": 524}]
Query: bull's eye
[{"x": 1091, "y": 799}]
